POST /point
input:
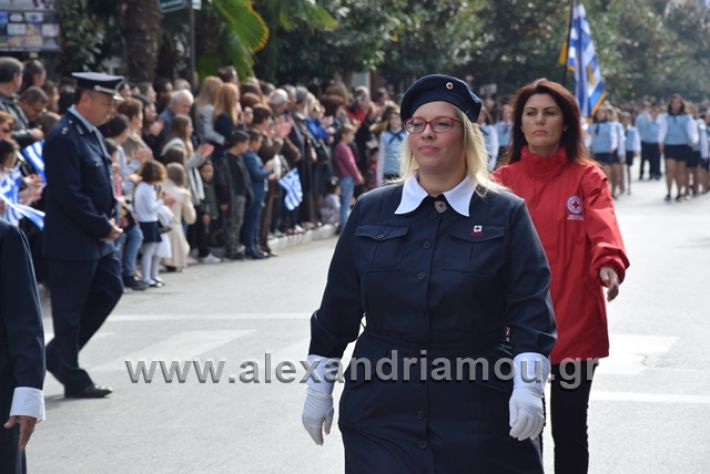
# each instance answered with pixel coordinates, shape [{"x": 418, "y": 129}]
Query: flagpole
[{"x": 569, "y": 33}]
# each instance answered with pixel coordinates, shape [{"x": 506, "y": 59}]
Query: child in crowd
[
  {"x": 632, "y": 143},
  {"x": 147, "y": 201},
  {"x": 330, "y": 208},
  {"x": 389, "y": 149},
  {"x": 207, "y": 213},
  {"x": 183, "y": 210},
  {"x": 345, "y": 169},
  {"x": 258, "y": 174},
  {"x": 234, "y": 193}
]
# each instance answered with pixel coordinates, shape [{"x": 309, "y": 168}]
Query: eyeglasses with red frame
[{"x": 442, "y": 124}]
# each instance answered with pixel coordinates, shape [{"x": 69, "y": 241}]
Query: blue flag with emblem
[
  {"x": 291, "y": 183},
  {"x": 10, "y": 196},
  {"x": 582, "y": 62},
  {"x": 33, "y": 154}
]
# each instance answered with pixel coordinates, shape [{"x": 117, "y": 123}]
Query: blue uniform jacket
[
  {"x": 21, "y": 335},
  {"x": 79, "y": 194},
  {"x": 430, "y": 276}
]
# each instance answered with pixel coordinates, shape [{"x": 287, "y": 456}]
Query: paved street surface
[{"x": 650, "y": 402}]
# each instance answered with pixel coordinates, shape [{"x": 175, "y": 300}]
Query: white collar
[{"x": 459, "y": 198}]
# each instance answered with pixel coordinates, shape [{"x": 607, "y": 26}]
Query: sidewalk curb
[{"x": 289, "y": 241}]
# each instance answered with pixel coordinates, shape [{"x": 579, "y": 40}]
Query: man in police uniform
[{"x": 79, "y": 233}]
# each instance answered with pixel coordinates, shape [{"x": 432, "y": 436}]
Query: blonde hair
[
  {"x": 208, "y": 92},
  {"x": 226, "y": 102},
  {"x": 475, "y": 156}
]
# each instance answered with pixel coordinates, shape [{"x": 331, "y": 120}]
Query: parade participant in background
[
  {"x": 633, "y": 147},
  {"x": 692, "y": 169},
  {"x": 21, "y": 350},
  {"x": 617, "y": 166},
  {"x": 388, "y": 162},
  {"x": 677, "y": 132},
  {"x": 705, "y": 152},
  {"x": 648, "y": 124},
  {"x": 147, "y": 201},
  {"x": 449, "y": 264},
  {"x": 79, "y": 231},
  {"x": 503, "y": 128},
  {"x": 569, "y": 200},
  {"x": 490, "y": 137},
  {"x": 604, "y": 144}
]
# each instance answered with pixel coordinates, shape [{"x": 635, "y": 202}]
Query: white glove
[
  {"x": 318, "y": 408},
  {"x": 318, "y": 414},
  {"x": 527, "y": 416}
]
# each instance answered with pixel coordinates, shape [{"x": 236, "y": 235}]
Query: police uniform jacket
[
  {"x": 21, "y": 335},
  {"x": 79, "y": 193},
  {"x": 455, "y": 276}
]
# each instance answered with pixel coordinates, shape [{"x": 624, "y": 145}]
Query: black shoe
[
  {"x": 667, "y": 198},
  {"x": 256, "y": 255},
  {"x": 135, "y": 285},
  {"x": 90, "y": 391}
]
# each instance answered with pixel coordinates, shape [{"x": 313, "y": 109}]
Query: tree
[{"x": 142, "y": 37}]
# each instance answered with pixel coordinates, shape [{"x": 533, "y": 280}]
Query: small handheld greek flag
[
  {"x": 10, "y": 196},
  {"x": 291, "y": 183},
  {"x": 33, "y": 154}
]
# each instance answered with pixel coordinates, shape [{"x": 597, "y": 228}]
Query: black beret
[{"x": 439, "y": 87}]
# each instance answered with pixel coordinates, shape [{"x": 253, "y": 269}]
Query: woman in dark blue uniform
[{"x": 445, "y": 268}]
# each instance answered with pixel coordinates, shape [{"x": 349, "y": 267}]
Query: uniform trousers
[
  {"x": 569, "y": 402},
  {"x": 12, "y": 461},
  {"x": 83, "y": 295},
  {"x": 233, "y": 225}
]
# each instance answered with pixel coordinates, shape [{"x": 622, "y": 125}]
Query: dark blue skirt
[{"x": 150, "y": 232}]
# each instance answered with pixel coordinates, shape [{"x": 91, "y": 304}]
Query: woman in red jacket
[{"x": 569, "y": 201}]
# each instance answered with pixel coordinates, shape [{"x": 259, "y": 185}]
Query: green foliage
[{"x": 83, "y": 35}]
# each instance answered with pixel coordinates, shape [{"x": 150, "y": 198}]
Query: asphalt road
[{"x": 650, "y": 401}]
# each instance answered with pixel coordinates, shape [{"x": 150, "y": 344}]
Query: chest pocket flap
[
  {"x": 478, "y": 249},
  {"x": 382, "y": 245}
]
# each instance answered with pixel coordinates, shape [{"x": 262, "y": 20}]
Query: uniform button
[
  {"x": 421, "y": 276},
  {"x": 422, "y": 444},
  {"x": 380, "y": 236},
  {"x": 426, "y": 244},
  {"x": 421, "y": 414}
]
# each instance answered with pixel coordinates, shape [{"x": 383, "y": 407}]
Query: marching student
[
  {"x": 617, "y": 167},
  {"x": 677, "y": 132},
  {"x": 692, "y": 169},
  {"x": 648, "y": 123},
  {"x": 632, "y": 145},
  {"x": 705, "y": 152},
  {"x": 604, "y": 143},
  {"x": 490, "y": 137}
]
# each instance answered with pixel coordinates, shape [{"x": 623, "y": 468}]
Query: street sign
[{"x": 167, "y": 6}]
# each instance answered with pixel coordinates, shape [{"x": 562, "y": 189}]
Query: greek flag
[
  {"x": 33, "y": 154},
  {"x": 582, "y": 61},
  {"x": 291, "y": 183},
  {"x": 10, "y": 196}
]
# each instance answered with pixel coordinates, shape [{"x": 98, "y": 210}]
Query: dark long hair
[{"x": 571, "y": 138}]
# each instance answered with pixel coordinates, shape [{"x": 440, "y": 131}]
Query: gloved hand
[
  {"x": 318, "y": 414},
  {"x": 527, "y": 416}
]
